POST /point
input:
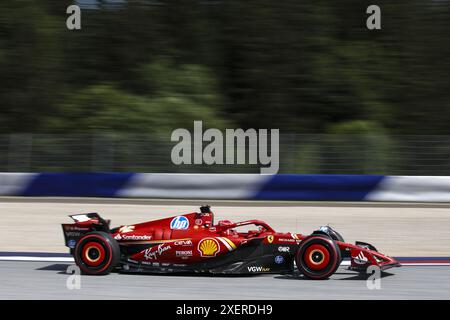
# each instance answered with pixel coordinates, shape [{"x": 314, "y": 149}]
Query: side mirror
[{"x": 205, "y": 209}]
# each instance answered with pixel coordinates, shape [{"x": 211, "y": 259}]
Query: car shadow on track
[
  {"x": 187, "y": 274},
  {"x": 62, "y": 269},
  {"x": 351, "y": 276}
]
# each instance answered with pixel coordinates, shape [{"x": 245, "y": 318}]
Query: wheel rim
[
  {"x": 316, "y": 257},
  {"x": 93, "y": 254}
]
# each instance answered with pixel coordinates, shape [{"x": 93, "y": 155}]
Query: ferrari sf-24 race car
[{"x": 193, "y": 243}]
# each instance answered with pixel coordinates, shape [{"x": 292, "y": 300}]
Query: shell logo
[{"x": 208, "y": 247}]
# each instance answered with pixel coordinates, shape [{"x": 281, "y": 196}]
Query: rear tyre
[
  {"x": 97, "y": 253},
  {"x": 318, "y": 257}
]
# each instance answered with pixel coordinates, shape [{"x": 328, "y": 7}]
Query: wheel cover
[
  {"x": 316, "y": 257},
  {"x": 93, "y": 254}
]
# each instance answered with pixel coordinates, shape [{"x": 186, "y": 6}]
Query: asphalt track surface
[{"x": 47, "y": 280}]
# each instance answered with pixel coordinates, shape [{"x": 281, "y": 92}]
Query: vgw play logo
[{"x": 235, "y": 147}]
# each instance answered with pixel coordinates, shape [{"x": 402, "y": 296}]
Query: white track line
[
  {"x": 37, "y": 259},
  {"x": 424, "y": 264}
]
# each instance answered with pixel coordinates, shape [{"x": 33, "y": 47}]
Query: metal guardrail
[{"x": 299, "y": 153}]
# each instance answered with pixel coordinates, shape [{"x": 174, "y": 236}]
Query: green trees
[
  {"x": 30, "y": 65},
  {"x": 295, "y": 65},
  {"x": 169, "y": 97}
]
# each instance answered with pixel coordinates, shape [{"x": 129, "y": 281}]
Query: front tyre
[
  {"x": 97, "y": 253},
  {"x": 318, "y": 257}
]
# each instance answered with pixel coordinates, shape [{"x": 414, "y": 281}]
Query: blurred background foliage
[{"x": 306, "y": 67}]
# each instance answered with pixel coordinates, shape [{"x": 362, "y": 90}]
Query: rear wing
[
  {"x": 84, "y": 223},
  {"x": 89, "y": 219}
]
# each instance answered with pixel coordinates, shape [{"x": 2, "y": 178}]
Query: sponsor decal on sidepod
[
  {"x": 149, "y": 254},
  {"x": 183, "y": 243},
  {"x": 208, "y": 247},
  {"x": 184, "y": 253}
]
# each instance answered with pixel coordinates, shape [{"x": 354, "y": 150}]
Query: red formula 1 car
[{"x": 193, "y": 243}]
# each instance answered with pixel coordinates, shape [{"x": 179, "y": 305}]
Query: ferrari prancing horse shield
[{"x": 270, "y": 239}]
